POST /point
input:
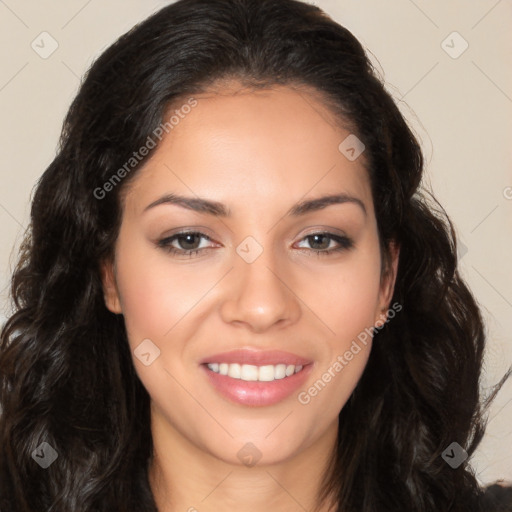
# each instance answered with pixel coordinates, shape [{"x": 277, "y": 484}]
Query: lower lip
[{"x": 256, "y": 393}]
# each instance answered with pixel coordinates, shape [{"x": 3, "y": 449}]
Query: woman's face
[{"x": 257, "y": 277}]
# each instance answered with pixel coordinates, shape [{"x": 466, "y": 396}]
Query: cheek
[
  {"x": 346, "y": 296},
  {"x": 155, "y": 295},
  {"x": 347, "y": 302}
]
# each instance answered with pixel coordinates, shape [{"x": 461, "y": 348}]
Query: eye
[
  {"x": 187, "y": 242},
  {"x": 323, "y": 241}
]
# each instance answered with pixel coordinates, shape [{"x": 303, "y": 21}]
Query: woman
[{"x": 234, "y": 292}]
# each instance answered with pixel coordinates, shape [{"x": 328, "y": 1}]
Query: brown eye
[
  {"x": 185, "y": 243},
  {"x": 320, "y": 243}
]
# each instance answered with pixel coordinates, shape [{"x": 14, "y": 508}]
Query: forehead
[{"x": 240, "y": 145}]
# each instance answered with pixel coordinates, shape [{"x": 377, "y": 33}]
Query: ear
[
  {"x": 110, "y": 291},
  {"x": 388, "y": 280}
]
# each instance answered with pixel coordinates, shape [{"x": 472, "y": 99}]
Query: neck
[{"x": 185, "y": 478}]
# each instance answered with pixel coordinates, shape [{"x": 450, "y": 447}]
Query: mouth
[{"x": 256, "y": 378}]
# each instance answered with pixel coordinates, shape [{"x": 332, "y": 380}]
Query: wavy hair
[{"x": 66, "y": 373}]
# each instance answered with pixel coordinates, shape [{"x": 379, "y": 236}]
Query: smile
[
  {"x": 252, "y": 377},
  {"x": 249, "y": 372}
]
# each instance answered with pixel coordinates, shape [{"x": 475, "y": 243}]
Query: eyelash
[{"x": 343, "y": 241}]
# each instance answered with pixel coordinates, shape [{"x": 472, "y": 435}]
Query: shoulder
[{"x": 497, "y": 498}]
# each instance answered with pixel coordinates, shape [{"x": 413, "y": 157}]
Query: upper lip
[{"x": 256, "y": 357}]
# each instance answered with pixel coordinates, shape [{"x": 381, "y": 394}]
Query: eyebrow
[{"x": 220, "y": 210}]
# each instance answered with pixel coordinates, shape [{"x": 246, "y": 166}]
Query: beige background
[{"x": 461, "y": 108}]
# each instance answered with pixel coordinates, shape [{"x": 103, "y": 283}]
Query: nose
[{"x": 260, "y": 296}]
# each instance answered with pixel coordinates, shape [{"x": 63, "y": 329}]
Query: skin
[{"x": 258, "y": 153}]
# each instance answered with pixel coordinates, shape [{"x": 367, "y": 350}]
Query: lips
[
  {"x": 256, "y": 393},
  {"x": 257, "y": 357}
]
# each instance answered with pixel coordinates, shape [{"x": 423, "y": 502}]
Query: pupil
[
  {"x": 187, "y": 241},
  {"x": 315, "y": 237}
]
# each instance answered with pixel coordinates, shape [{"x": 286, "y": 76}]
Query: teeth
[
  {"x": 234, "y": 371},
  {"x": 290, "y": 369},
  {"x": 280, "y": 371},
  {"x": 249, "y": 372}
]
